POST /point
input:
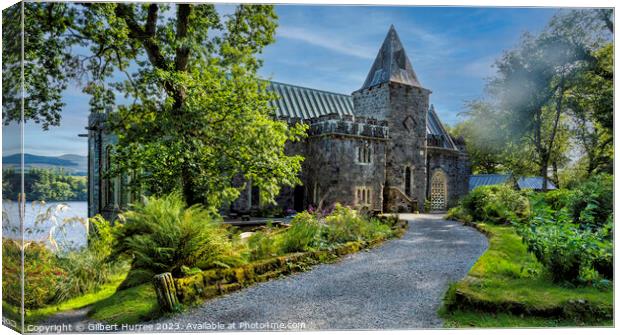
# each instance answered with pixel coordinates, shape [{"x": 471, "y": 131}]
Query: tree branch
[{"x": 145, "y": 36}]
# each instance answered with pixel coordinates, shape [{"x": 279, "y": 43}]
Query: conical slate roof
[{"x": 391, "y": 64}]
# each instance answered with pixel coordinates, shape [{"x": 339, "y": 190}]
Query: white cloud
[{"x": 326, "y": 41}]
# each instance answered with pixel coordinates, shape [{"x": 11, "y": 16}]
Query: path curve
[{"x": 395, "y": 286}]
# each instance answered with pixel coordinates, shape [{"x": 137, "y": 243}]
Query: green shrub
[
  {"x": 603, "y": 261},
  {"x": 163, "y": 235},
  {"x": 459, "y": 213},
  {"x": 592, "y": 202},
  {"x": 262, "y": 244},
  {"x": 345, "y": 225},
  {"x": 41, "y": 271},
  {"x": 90, "y": 267},
  {"x": 303, "y": 235},
  {"x": 557, "y": 199},
  {"x": 498, "y": 204},
  {"x": 561, "y": 247}
]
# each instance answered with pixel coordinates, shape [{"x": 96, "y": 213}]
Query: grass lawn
[
  {"x": 507, "y": 279},
  {"x": 129, "y": 306},
  {"x": 36, "y": 315}
]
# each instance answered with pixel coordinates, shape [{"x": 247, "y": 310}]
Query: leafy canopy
[{"x": 189, "y": 110}]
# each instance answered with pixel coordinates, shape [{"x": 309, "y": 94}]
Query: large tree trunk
[
  {"x": 558, "y": 111},
  {"x": 556, "y": 177}
]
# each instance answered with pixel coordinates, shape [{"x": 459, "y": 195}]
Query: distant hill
[{"x": 74, "y": 164}]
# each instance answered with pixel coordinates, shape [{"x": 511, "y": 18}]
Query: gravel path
[{"x": 397, "y": 285}]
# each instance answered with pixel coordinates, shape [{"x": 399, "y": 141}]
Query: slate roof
[
  {"x": 487, "y": 179},
  {"x": 306, "y": 103},
  {"x": 434, "y": 127},
  {"x": 523, "y": 183},
  {"x": 534, "y": 183},
  {"x": 391, "y": 64}
]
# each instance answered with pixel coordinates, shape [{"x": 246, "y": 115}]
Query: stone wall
[
  {"x": 456, "y": 167},
  {"x": 105, "y": 195}
]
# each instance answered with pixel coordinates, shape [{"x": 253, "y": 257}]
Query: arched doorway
[{"x": 439, "y": 191}]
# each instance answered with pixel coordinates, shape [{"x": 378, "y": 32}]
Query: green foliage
[
  {"x": 200, "y": 115},
  {"x": 509, "y": 279},
  {"x": 48, "y": 64},
  {"x": 345, "y": 224},
  {"x": 592, "y": 202},
  {"x": 496, "y": 203},
  {"x": 91, "y": 267},
  {"x": 129, "y": 306},
  {"x": 163, "y": 235},
  {"x": 42, "y": 274},
  {"x": 488, "y": 143},
  {"x": 197, "y": 114},
  {"x": 557, "y": 199},
  {"x": 313, "y": 231},
  {"x": 44, "y": 185},
  {"x": 262, "y": 244},
  {"x": 303, "y": 235},
  {"x": 562, "y": 248},
  {"x": 551, "y": 91},
  {"x": 570, "y": 230}
]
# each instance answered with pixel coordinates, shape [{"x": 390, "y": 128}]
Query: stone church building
[{"x": 382, "y": 148}]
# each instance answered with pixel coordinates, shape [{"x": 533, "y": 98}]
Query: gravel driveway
[{"x": 397, "y": 285}]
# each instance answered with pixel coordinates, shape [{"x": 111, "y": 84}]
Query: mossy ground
[
  {"x": 128, "y": 306},
  {"x": 509, "y": 280},
  {"x": 475, "y": 319}
]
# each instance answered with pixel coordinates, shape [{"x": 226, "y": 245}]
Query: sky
[{"x": 332, "y": 48}]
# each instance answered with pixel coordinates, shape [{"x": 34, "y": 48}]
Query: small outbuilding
[{"x": 520, "y": 183}]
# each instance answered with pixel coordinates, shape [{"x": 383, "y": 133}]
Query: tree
[
  {"x": 488, "y": 149},
  {"x": 590, "y": 104},
  {"x": 196, "y": 115},
  {"x": 533, "y": 79},
  {"x": 48, "y": 62}
]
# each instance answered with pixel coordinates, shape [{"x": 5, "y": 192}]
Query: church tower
[{"x": 392, "y": 92}]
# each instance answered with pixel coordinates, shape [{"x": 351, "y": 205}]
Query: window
[
  {"x": 362, "y": 196},
  {"x": 108, "y": 181},
  {"x": 363, "y": 154},
  {"x": 408, "y": 181}
]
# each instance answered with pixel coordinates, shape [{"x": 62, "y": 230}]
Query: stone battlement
[{"x": 334, "y": 124}]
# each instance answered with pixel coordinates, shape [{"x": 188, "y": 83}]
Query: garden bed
[{"x": 508, "y": 281}]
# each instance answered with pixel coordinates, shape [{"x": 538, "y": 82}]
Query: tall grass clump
[
  {"x": 263, "y": 244},
  {"x": 303, "y": 235},
  {"x": 89, "y": 267},
  {"x": 345, "y": 225},
  {"x": 164, "y": 235}
]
